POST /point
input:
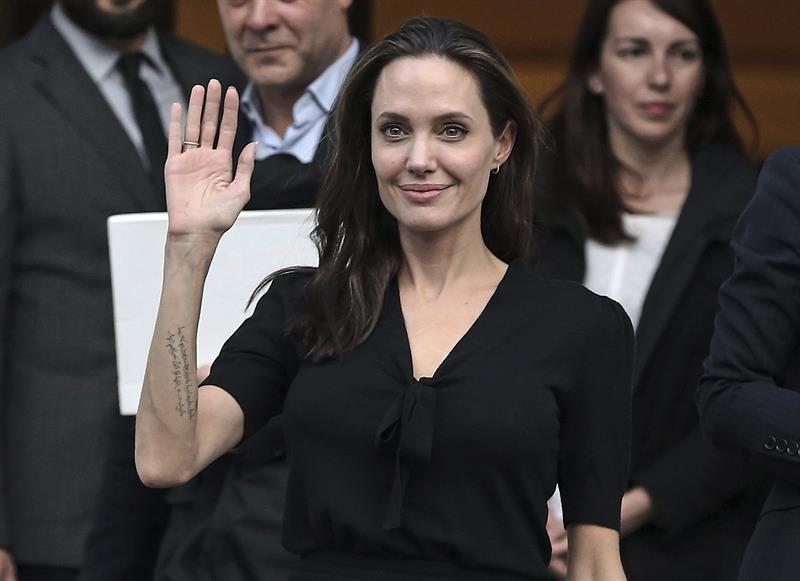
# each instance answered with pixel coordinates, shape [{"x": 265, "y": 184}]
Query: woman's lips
[
  {"x": 656, "y": 109},
  {"x": 421, "y": 193}
]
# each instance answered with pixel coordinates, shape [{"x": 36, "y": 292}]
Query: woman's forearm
[
  {"x": 166, "y": 422},
  {"x": 594, "y": 554},
  {"x": 176, "y": 434}
]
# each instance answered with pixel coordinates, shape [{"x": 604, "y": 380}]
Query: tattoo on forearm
[{"x": 184, "y": 382}]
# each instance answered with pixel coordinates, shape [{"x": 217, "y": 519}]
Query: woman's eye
[
  {"x": 689, "y": 55},
  {"x": 632, "y": 52},
  {"x": 392, "y": 131},
  {"x": 453, "y": 131}
]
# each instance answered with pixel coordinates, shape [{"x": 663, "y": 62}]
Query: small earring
[{"x": 496, "y": 170}]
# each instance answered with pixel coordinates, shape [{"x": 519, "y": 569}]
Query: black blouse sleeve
[
  {"x": 596, "y": 421},
  {"x": 258, "y": 362}
]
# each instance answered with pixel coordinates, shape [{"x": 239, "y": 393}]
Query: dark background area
[{"x": 536, "y": 36}]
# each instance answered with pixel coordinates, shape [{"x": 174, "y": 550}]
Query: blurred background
[{"x": 535, "y": 35}]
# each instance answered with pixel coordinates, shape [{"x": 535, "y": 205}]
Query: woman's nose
[{"x": 421, "y": 158}]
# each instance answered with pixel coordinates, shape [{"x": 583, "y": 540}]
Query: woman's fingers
[
  {"x": 175, "y": 130},
  {"x": 230, "y": 114},
  {"x": 208, "y": 131},
  {"x": 244, "y": 169},
  {"x": 193, "y": 114},
  {"x": 559, "y": 547}
]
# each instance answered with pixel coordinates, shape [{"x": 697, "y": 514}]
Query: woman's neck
[
  {"x": 653, "y": 179},
  {"x": 436, "y": 262}
]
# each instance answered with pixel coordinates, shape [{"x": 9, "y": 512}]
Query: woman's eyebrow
[{"x": 449, "y": 116}]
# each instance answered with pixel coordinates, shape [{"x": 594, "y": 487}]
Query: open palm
[{"x": 204, "y": 197}]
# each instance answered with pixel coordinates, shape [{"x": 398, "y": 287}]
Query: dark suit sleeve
[
  {"x": 743, "y": 404},
  {"x": 7, "y": 228},
  {"x": 693, "y": 480},
  {"x": 126, "y": 533}
]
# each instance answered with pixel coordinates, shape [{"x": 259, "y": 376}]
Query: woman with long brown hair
[
  {"x": 648, "y": 178},
  {"x": 425, "y": 376}
]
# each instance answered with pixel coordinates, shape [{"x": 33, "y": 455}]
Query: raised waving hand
[
  {"x": 180, "y": 429},
  {"x": 204, "y": 196}
]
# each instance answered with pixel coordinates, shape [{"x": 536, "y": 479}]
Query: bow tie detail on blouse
[{"x": 407, "y": 430}]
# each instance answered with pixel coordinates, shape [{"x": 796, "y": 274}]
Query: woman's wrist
[
  {"x": 191, "y": 249},
  {"x": 187, "y": 260}
]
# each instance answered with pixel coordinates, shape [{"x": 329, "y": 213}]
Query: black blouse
[{"x": 452, "y": 470}]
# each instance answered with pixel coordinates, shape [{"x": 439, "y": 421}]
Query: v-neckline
[{"x": 408, "y": 359}]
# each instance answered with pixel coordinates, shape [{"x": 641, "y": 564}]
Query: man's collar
[{"x": 325, "y": 88}]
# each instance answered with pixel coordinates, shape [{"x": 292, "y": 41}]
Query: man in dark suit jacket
[
  {"x": 72, "y": 152},
  {"x": 748, "y": 396}
]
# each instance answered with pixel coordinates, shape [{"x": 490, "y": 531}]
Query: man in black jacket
[
  {"x": 84, "y": 100},
  {"x": 748, "y": 396}
]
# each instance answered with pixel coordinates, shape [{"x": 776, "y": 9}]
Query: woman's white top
[{"x": 624, "y": 271}]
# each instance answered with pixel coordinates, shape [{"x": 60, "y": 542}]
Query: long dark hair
[
  {"x": 585, "y": 168},
  {"x": 356, "y": 237}
]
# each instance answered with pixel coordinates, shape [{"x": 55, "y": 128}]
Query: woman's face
[
  {"x": 650, "y": 74},
  {"x": 432, "y": 144}
]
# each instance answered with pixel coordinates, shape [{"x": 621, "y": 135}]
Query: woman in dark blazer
[
  {"x": 647, "y": 181},
  {"x": 748, "y": 396}
]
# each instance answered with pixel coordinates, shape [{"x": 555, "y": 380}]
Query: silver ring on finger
[{"x": 189, "y": 144}]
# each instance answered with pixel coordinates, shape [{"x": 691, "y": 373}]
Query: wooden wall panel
[
  {"x": 517, "y": 27},
  {"x": 536, "y": 35},
  {"x": 198, "y": 21}
]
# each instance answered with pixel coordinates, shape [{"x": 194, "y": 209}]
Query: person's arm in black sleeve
[
  {"x": 742, "y": 402},
  {"x": 259, "y": 360},
  {"x": 595, "y": 444},
  {"x": 692, "y": 480}
]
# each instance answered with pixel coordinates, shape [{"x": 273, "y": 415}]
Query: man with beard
[{"x": 85, "y": 100}]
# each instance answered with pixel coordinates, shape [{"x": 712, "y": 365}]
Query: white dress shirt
[
  {"x": 100, "y": 62},
  {"x": 624, "y": 271}
]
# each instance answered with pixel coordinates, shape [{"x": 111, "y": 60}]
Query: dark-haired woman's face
[
  {"x": 650, "y": 74},
  {"x": 432, "y": 144}
]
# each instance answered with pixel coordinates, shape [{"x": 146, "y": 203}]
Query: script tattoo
[{"x": 183, "y": 380}]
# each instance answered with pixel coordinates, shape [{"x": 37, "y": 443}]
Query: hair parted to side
[
  {"x": 585, "y": 167},
  {"x": 356, "y": 237}
]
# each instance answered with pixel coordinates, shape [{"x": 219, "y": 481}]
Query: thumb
[{"x": 247, "y": 161}]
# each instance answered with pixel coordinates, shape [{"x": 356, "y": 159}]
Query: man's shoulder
[
  {"x": 780, "y": 176},
  {"x": 9, "y": 57},
  {"x": 784, "y": 158},
  {"x": 17, "y": 64},
  {"x": 21, "y": 50},
  {"x": 775, "y": 207}
]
